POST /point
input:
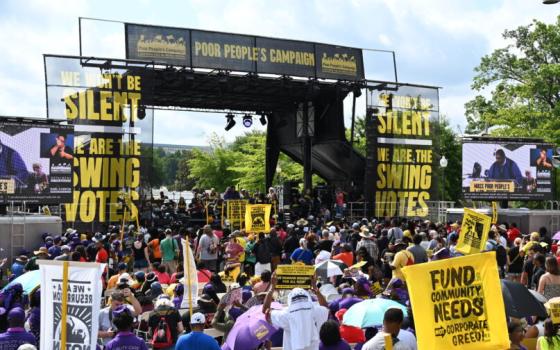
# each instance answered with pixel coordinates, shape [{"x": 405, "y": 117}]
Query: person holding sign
[
  {"x": 301, "y": 320},
  {"x": 550, "y": 340}
]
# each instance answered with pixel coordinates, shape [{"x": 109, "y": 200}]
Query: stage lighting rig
[
  {"x": 247, "y": 120},
  {"x": 262, "y": 119},
  {"x": 230, "y": 121}
]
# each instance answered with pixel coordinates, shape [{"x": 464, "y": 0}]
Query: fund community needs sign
[
  {"x": 461, "y": 303},
  {"x": 203, "y": 49}
]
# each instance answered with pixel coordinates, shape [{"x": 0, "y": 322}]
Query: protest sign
[
  {"x": 554, "y": 311},
  {"x": 236, "y": 213},
  {"x": 494, "y": 212},
  {"x": 257, "y": 218},
  {"x": 70, "y": 299},
  {"x": 474, "y": 232},
  {"x": 294, "y": 276},
  {"x": 461, "y": 303}
]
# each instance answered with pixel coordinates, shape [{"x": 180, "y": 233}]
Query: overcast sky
[{"x": 437, "y": 42}]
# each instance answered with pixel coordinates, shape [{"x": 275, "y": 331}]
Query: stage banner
[
  {"x": 158, "y": 44},
  {"x": 245, "y": 53},
  {"x": 401, "y": 164},
  {"x": 461, "y": 303},
  {"x": 191, "y": 278},
  {"x": 339, "y": 62},
  {"x": 70, "y": 301},
  {"x": 36, "y": 162},
  {"x": 257, "y": 218},
  {"x": 474, "y": 232},
  {"x": 113, "y": 135}
]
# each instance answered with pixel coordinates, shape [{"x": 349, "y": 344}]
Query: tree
[
  {"x": 212, "y": 169},
  {"x": 359, "y": 135},
  {"x": 525, "y": 81},
  {"x": 184, "y": 182},
  {"x": 446, "y": 143}
]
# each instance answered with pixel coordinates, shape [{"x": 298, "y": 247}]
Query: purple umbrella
[
  {"x": 250, "y": 329},
  {"x": 556, "y": 236}
]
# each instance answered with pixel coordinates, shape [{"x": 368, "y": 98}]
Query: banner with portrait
[{"x": 70, "y": 301}]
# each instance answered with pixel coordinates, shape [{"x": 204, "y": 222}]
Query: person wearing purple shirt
[
  {"x": 16, "y": 334},
  {"x": 330, "y": 337},
  {"x": 125, "y": 339}
]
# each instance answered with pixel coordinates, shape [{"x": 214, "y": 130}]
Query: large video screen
[
  {"x": 497, "y": 169},
  {"x": 36, "y": 162}
]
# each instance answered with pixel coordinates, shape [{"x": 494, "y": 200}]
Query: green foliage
[
  {"x": 359, "y": 135},
  {"x": 525, "y": 81},
  {"x": 446, "y": 143},
  {"x": 212, "y": 169}
]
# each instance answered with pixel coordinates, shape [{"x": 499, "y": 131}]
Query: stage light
[
  {"x": 141, "y": 112},
  {"x": 230, "y": 121},
  {"x": 247, "y": 120},
  {"x": 262, "y": 119},
  {"x": 550, "y": 2}
]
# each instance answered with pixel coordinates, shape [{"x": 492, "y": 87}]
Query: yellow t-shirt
[
  {"x": 543, "y": 343},
  {"x": 402, "y": 259}
]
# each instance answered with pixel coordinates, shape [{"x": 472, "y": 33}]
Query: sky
[{"x": 437, "y": 42}]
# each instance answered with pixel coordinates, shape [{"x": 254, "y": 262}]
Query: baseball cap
[{"x": 198, "y": 318}]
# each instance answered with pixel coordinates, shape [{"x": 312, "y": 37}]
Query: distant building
[{"x": 169, "y": 149}]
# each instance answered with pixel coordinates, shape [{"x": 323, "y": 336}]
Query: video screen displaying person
[
  {"x": 505, "y": 168},
  {"x": 38, "y": 181},
  {"x": 543, "y": 162},
  {"x": 12, "y": 164},
  {"x": 61, "y": 153}
]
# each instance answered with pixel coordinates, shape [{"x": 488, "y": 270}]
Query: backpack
[
  {"x": 501, "y": 254},
  {"x": 162, "y": 335}
]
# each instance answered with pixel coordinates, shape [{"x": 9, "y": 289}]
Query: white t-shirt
[
  {"x": 407, "y": 341},
  {"x": 281, "y": 319}
]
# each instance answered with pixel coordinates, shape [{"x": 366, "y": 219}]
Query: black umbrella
[{"x": 519, "y": 302}]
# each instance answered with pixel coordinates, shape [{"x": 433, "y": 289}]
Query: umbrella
[
  {"x": 556, "y": 236},
  {"x": 29, "y": 281},
  {"x": 329, "y": 268},
  {"x": 541, "y": 298},
  {"x": 519, "y": 302},
  {"x": 369, "y": 313},
  {"x": 203, "y": 276},
  {"x": 250, "y": 329}
]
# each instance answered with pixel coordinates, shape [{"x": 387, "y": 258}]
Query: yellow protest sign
[
  {"x": 461, "y": 303},
  {"x": 294, "y": 276},
  {"x": 236, "y": 213},
  {"x": 474, "y": 232},
  {"x": 554, "y": 311},
  {"x": 494, "y": 212},
  {"x": 257, "y": 218}
]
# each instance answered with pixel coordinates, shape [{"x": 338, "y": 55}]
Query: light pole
[{"x": 443, "y": 165}]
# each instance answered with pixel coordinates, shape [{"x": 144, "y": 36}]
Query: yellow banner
[
  {"x": 554, "y": 311},
  {"x": 492, "y": 186},
  {"x": 461, "y": 303},
  {"x": 236, "y": 213},
  {"x": 257, "y": 217},
  {"x": 294, "y": 276},
  {"x": 494, "y": 212},
  {"x": 474, "y": 232}
]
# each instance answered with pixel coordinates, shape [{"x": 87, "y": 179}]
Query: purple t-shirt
[
  {"x": 341, "y": 345},
  {"x": 126, "y": 340},
  {"x": 14, "y": 337}
]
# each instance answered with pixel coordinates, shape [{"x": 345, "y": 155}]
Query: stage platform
[{"x": 24, "y": 231}]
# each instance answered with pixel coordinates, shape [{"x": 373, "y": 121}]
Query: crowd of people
[{"x": 144, "y": 280}]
